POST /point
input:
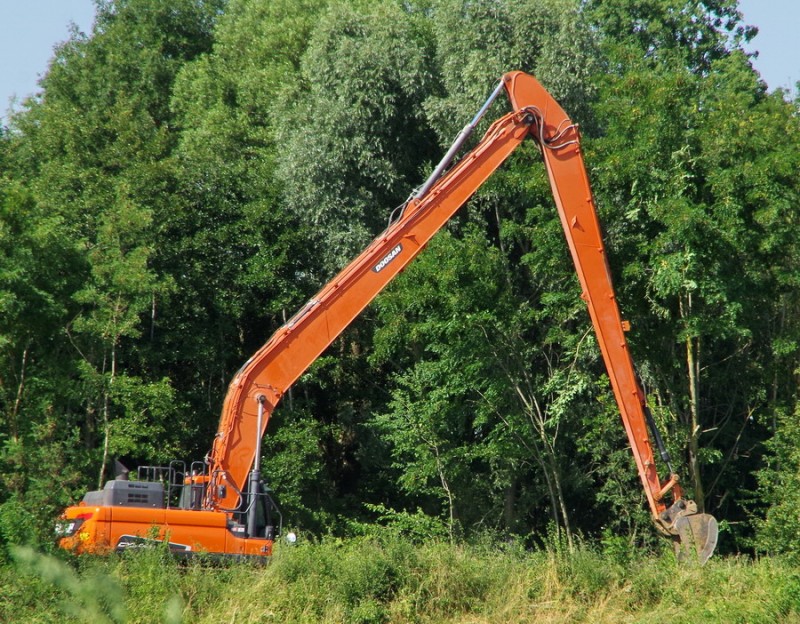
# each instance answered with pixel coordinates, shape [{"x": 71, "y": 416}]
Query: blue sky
[
  {"x": 30, "y": 28},
  {"x": 778, "y": 40}
]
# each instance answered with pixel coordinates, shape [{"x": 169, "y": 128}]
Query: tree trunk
[
  {"x": 552, "y": 473},
  {"x": 13, "y": 424},
  {"x": 107, "y": 417},
  {"x": 447, "y": 491},
  {"x": 562, "y": 503},
  {"x": 693, "y": 366},
  {"x": 509, "y": 501}
]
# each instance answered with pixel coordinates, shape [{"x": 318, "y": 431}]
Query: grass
[{"x": 378, "y": 580}]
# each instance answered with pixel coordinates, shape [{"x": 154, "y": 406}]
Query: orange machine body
[{"x": 104, "y": 529}]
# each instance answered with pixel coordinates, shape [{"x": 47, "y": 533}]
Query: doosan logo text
[{"x": 388, "y": 258}]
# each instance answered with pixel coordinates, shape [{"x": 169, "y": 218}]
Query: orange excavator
[{"x": 220, "y": 506}]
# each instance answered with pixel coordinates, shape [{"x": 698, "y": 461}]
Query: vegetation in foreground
[{"x": 392, "y": 579}]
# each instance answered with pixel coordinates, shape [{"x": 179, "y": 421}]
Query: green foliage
[
  {"x": 17, "y": 524},
  {"x": 417, "y": 527},
  {"x": 695, "y": 33},
  {"x": 294, "y": 460},
  {"x": 679, "y": 171},
  {"x": 353, "y": 135},
  {"x": 441, "y": 421},
  {"x": 778, "y": 531},
  {"x": 390, "y": 579},
  {"x": 194, "y": 169},
  {"x": 477, "y": 42},
  {"x": 86, "y": 170}
]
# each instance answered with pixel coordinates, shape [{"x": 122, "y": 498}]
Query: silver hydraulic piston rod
[{"x": 460, "y": 139}]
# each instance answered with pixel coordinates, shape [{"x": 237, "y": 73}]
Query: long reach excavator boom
[{"x": 228, "y": 485}]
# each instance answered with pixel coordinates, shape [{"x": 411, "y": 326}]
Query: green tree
[
  {"x": 228, "y": 241},
  {"x": 353, "y": 134},
  {"x": 682, "y": 171},
  {"x": 486, "y": 402},
  {"x": 38, "y": 270},
  {"x": 121, "y": 290},
  {"x": 778, "y": 528},
  {"x": 477, "y": 42},
  {"x": 694, "y": 32},
  {"x": 88, "y": 164}
]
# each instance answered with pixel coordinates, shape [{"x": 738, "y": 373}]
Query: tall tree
[
  {"x": 354, "y": 134},
  {"x": 681, "y": 177},
  {"x": 121, "y": 290},
  {"x": 90, "y": 157}
]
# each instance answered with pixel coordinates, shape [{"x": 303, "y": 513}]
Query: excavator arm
[
  {"x": 263, "y": 380},
  {"x": 560, "y": 144}
]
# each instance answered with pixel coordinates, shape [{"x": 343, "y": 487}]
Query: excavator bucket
[
  {"x": 697, "y": 533},
  {"x": 694, "y": 533}
]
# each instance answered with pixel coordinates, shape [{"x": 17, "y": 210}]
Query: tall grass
[{"x": 388, "y": 579}]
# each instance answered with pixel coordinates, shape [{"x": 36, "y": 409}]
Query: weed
[{"x": 384, "y": 577}]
